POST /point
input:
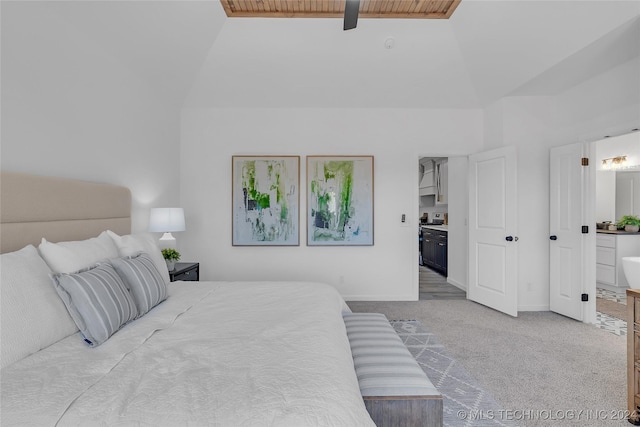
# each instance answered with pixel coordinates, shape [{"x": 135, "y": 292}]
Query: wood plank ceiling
[{"x": 421, "y": 9}]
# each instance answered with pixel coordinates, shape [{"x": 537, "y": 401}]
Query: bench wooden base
[{"x": 405, "y": 411}]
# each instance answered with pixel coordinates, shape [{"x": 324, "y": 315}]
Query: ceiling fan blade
[{"x": 351, "y": 8}]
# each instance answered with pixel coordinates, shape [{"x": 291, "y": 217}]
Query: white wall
[
  {"x": 70, "y": 109},
  {"x": 396, "y": 137},
  {"x": 606, "y": 104}
]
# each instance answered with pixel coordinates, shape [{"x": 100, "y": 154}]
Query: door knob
[
  {"x": 553, "y": 237},
  {"x": 509, "y": 238}
]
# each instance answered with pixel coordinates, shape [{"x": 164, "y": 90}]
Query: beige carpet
[
  {"x": 612, "y": 308},
  {"x": 536, "y": 365}
]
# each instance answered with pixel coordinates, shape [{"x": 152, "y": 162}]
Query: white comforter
[{"x": 212, "y": 354}]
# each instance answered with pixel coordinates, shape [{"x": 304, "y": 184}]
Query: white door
[
  {"x": 493, "y": 247},
  {"x": 566, "y": 240}
]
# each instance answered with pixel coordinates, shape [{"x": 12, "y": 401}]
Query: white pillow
[
  {"x": 32, "y": 315},
  {"x": 71, "y": 257},
  {"x": 132, "y": 244}
]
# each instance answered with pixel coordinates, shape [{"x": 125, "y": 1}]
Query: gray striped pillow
[
  {"x": 97, "y": 300},
  {"x": 143, "y": 279}
]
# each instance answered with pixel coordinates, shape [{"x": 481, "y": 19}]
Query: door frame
[
  {"x": 416, "y": 210},
  {"x": 589, "y": 248}
]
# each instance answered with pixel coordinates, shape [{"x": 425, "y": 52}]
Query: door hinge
[
  {"x": 585, "y": 229},
  {"x": 585, "y": 297},
  {"x": 585, "y": 161}
]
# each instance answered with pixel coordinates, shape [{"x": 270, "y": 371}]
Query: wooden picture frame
[
  {"x": 340, "y": 200},
  {"x": 265, "y": 200}
]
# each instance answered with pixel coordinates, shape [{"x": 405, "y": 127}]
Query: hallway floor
[{"x": 434, "y": 286}]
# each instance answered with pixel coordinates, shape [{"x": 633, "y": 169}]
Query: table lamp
[{"x": 166, "y": 220}]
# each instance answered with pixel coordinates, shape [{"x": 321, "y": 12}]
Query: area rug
[
  {"x": 465, "y": 402},
  {"x": 611, "y": 308}
]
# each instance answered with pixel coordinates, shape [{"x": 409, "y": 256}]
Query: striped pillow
[
  {"x": 97, "y": 300},
  {"x": 143, "y": 279}
]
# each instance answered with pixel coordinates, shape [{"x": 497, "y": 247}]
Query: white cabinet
[{"x": 610, "y": 249}]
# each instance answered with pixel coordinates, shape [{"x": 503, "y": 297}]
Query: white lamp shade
[{"x": 166, "y": 220}]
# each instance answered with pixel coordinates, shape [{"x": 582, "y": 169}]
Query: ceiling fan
[{"x": 351, "y": 8}]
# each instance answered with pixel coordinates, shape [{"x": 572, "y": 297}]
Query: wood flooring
[{"x": 434, "y": 286}]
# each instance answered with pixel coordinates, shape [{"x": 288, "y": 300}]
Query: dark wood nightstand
[{"x": 187, "y": 271}]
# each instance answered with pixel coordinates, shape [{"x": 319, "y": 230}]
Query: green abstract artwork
[
  {"x": 266, "y": 200},
  {"x": 339, "y": 200}
]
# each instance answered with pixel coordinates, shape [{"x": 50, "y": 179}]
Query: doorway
[
  {"x": 617, "y": 193},
  {"x": 441, "y": 250}
]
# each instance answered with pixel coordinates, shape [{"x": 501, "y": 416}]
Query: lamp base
[{"x": 167, "y": 241}]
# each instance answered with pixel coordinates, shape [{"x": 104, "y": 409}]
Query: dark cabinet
[{"x": 434, "y": 249}]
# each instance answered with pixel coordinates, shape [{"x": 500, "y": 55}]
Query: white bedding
[{"x": 214, "y": 353}]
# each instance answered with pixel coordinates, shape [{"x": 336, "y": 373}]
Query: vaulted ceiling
[{"x": 196, "y": 55}]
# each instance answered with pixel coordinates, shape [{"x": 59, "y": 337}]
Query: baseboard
[
  {"x": 457, "y": 284},
  {"x": 380, "y": 297}
]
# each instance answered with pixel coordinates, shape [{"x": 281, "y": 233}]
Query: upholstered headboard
[{"x": 58, "y": 209}]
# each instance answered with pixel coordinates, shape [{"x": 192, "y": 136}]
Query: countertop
[
  {"x": 435, "y": 227},
  {"x": 617, "y": 232}
]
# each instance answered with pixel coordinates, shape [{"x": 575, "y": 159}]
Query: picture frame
[
  {"x": 265, "y": 200},
  {"x": 340, "y": 193}
]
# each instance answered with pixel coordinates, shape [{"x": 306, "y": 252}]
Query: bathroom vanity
[{"x": 611, "y": 247}]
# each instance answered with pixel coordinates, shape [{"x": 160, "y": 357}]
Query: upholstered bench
[{"x": 395, "y": 389}]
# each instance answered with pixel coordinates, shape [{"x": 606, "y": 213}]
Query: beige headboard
[{"x": 58, "y": 209}]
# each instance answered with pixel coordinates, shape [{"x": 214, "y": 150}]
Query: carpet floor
[
  {"x": 541, "y": 368},
  {"x": 464, "y": 401}
]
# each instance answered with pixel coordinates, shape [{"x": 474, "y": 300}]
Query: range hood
[
  {"x": 428, "y": 182},
  {"x": 427, "y": 190}
]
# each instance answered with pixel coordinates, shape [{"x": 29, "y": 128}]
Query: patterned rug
[
  {"x": 611, "y": 311},
  {"x": 465, "y": 402}
]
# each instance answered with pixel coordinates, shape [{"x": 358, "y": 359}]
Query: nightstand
[{"x": 187, "y": 271}]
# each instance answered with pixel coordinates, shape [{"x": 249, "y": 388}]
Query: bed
[{"x": 204, "y": 353}]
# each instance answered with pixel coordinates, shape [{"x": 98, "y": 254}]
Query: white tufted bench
[{"x": 396, "y": 391}]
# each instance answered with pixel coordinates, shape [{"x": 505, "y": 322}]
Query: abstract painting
[
  {"x": 266, "y": 200},
  {"x": 339, "y": 200}
]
